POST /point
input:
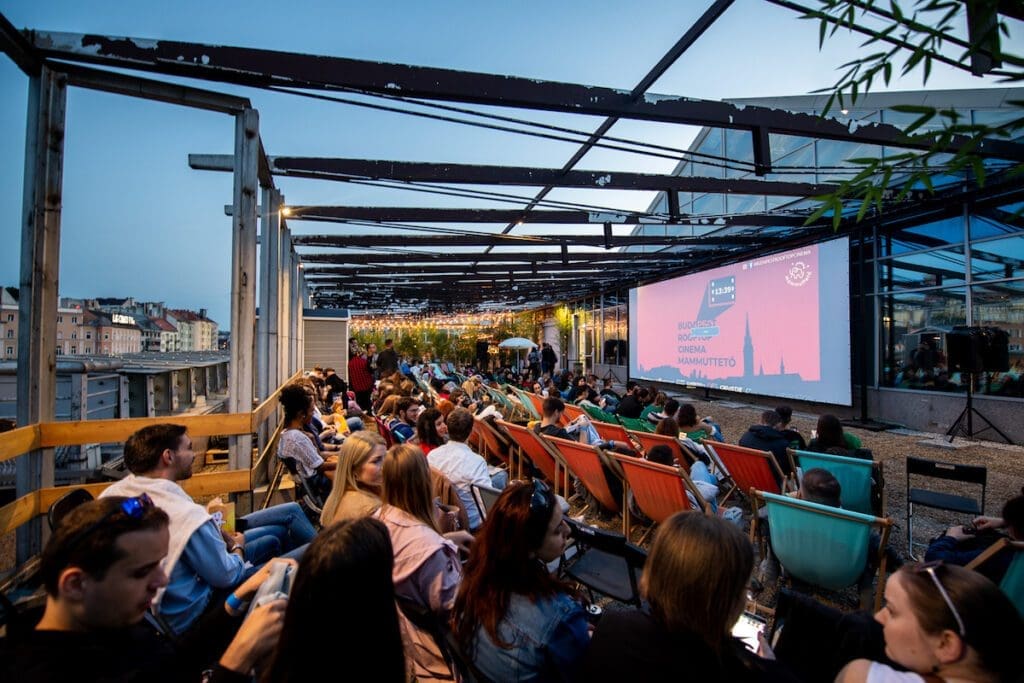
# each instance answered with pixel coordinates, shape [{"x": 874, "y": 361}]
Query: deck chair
[
  {"x": 684, "y": 458},
  {"x": 484, "y": 497},
  {"x": 532, "y": 411},
  {"x": 617, "y": 433},
  {"x": 636, "y": 424},
  {"x": 536, "y": 451},
  {"x": 570, "y": 413},
  {"x": 604, "y": 562},
  {"x": 385, "y": 432},
  {"x": 587, "y": 463},
  {"x": 968, "y": 474},
  {"x": 536, "y": 401},
  {"x": 660, "y": 491},
  {"x": 65, "y": 504},
  {"x": 854, "y": 476},
  {"x": 821, "y": 545},
  {"x": 1013, "y": 580},
  {"x": 747, "y": 468},
  {"x": 491, "y": 443},
  {"x": 597, "y": 414}
]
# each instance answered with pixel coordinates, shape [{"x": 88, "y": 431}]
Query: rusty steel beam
[
  {"x": 344, "y": 170},
  {"x": 264, "y": 68},
  {"x": 18, "y": 48},
  {"x": 399, "y": 214},
  {"x": 487, "y": 240}
]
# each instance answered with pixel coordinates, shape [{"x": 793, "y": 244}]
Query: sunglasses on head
[
  {"x": 538, "y": 500},
  {"x": 132, "y": 508},
  {"x": 929, "y": 569}
]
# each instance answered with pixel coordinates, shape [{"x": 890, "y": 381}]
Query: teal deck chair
[
  {"x": 1013, "y": 581},
  {"x": 853, "y": 474},
  {"x": 822, "y": 545},
  {"x": 636, "y": 424},
  {"x": 524, "y": 398},
  {"x": 597, "y": 414}
]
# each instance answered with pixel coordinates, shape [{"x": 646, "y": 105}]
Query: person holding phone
[{"x": 695, "y": 584}]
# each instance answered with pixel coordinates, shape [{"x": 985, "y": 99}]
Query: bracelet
[{"x": 235, "y": 603}]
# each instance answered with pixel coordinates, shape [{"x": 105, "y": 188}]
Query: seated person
[
  {"x": 655, "y": 406},
  {"x": 403, "y": 423},
  {"x": 101, "y": 568},
  {"x": 311, "y": 464},
  {"x": 944, "y": 623},
  {"x": 796, "y": 441},
  {"x": 767, "y": 437},
  {"x": 831, "y": 435},
  {"x": 431, "y": 430},
  {"x": 697, "y": 430},
  {"x": 959, "y": 547},
  {"x": 706, "y": 483},
  {"x": 356, "y": 490},
  {"x": 670, "y": 409},
  {"x": 630, "y": 405}
]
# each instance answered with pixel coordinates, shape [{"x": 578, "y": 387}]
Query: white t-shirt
[
  {"x": 880, "y": 673},
  {"x": 296, "y": 445},
  {"x": 463, "y": 467}
]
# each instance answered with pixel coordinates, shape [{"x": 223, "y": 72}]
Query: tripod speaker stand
[{"x": 973, "y": 350}]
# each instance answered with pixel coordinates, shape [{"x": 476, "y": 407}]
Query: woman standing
[
  {"x": 512, "y": 617},
  {"x": 357, "y": 483}
]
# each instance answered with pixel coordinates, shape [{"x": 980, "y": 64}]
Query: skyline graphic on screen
[{"x": 777, "y": 325}]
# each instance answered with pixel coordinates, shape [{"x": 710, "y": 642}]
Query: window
[
  {"x": 60, "y": 318},
  {"x": 10, "y": 334},
  {"x": 60, "y": 351},
  {"x": 74, "y": 318},
  {"x": 106, "y": 335},
  {"x": 10, "y": 350},
  {"x": 88, "y": 335},
  {"x": 10, "y": 317},
  {"x": 74, "y": 335},
  {"x": 74, "y": 349}
]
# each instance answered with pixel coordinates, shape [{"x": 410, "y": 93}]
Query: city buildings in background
[{"x": 113, "y": 326}]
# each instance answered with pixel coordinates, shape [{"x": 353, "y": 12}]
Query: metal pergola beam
[
  {"x": 265, "y": 68},
  {"x": 316, "y": 274},
  {"x": 406, "y": 257},
  {"x": 495, "y": 240},
  {"x": 344, "y": 170}
]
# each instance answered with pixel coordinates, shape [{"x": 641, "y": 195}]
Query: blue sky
[{"x": 137, "y": 221}]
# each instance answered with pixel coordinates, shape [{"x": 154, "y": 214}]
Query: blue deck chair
[
  {"x": 1013, "y": 581},
  {"x": 821, "y": 545},
  {"x": 853, "y": 474}
]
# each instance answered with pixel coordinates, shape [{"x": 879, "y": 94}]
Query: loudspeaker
[{"x": 978, "y": 349}]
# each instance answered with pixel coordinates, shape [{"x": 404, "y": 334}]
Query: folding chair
[
  {"x": 660, "y": 491},
  {"x": 747, "y": 468},
  {"x": 1013, "y": 580},
  {"x": 636, "y": 424},
  {"x": 969, "y": 474},
  {"x": 597, "y": 414},
  {"x": 822, "y": 545},
  {"x": 65, "y": 504},
  {"x": 587, "y": 463},
  {"x": 537, "y": 452},
  {"x": 484, "y": 497},
  {"x": 604, "y": 562},
  {"x": 537, "y": 402},
  {"x": 647, "y": 440},
  {"x": 853, "y": 474},
  {"x": 615, "y": 432},
  {"x": 571, "y": 413}
]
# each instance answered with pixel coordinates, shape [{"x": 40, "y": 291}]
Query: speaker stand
[{"x": 964, "y": 423}]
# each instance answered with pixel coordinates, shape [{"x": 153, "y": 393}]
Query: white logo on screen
[{"x": 799, "y": 274}]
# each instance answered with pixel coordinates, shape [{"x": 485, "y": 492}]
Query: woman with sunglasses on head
[
  {"x": 513, "y": 618},
  {"x": 944, "y": 623}
]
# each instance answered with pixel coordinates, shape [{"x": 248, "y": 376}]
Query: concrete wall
[{"x": 929, "y": 411}]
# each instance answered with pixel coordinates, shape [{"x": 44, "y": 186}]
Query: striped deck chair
[
  {"x": 822, "y": 545},
  {"x": 533, "y": 449},
  {"x": 684, "y": 458},
  {"x": 587, "y": 463},
  {"x": 536, "y": 401},
  {"x": 531, "y": 409},
  {"x": 748, "y": 468}
]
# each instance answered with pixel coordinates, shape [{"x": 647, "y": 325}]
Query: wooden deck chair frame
[
  {"x": 884, "y": 525},
  {"x": 587, "y": 462},
  {"x": 1012, "y": 581},
  {"x": 659, "y": 490},
  {"x": 684, "y": 458},
  {"x": 604, "y": 562},
  {"x": 796, "y": 459},
  {"x": 534, "y": 449},
  {"x": 739, "y": 480},
  {"x": 491, "y": 442},
  {"x": 609, "y": 431}
]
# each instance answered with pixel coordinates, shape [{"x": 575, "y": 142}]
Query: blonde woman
[
  {"x": 356, "y": 491},
  {"x": 427, "y": 571}
]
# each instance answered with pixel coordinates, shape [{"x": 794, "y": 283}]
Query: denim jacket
[{"x": 548, "y": 639}]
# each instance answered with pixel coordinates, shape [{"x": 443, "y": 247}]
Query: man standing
[
  {"x": 462, "y": 466},
  {"x": 361, "y": 379},
  {"x": 371, "y": 359},
  {"x": 101, "y": 569},
  {"x": 387, "y": 360},
  {"x": 548, "y": 359},
  {"x": 203, "y": 562}
]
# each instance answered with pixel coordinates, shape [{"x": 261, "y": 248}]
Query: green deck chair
[
  {"x": 821, "y": 545},
  {"x": 853, "y": 474},
  {"x": 636, "y": 424},
  {"x": 1013, "y": 581},
  {"x": 524, "y": 398},
  {"x": 597, "y": 414}
]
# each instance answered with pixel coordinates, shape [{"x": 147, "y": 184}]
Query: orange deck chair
[
  {"x": 684, "y": 458},
  {"x": 585, "y": 463},
  {"x": 533, "y": 449},
  {"x": 748, "y": 468}
]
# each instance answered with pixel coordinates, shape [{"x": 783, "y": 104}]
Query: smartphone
[{"x": 748, "y": 628}]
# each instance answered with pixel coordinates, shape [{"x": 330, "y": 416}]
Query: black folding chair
[
  {"x": 484, "y": 497},
  {"x": 65, "y": 504},
  {"x": 968, "y": 474},
  {"x": 604, "y": 562}
]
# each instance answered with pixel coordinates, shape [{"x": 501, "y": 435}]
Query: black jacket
[
  {"x": 765, "y": 438},
  {"x": 387, "y": 362},
  {"x": 629, "y": 406}
]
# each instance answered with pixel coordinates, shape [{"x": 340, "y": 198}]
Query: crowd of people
[{"x": 416, "y": 579}]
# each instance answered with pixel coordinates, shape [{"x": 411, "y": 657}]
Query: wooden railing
[{"x": 23, "y": 440}]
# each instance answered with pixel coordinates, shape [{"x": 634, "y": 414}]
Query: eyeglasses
[
  {"x": 929, "y": 569},
  {"x": 133, "y": 508},
  {"x": 539, "y": 501}
]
